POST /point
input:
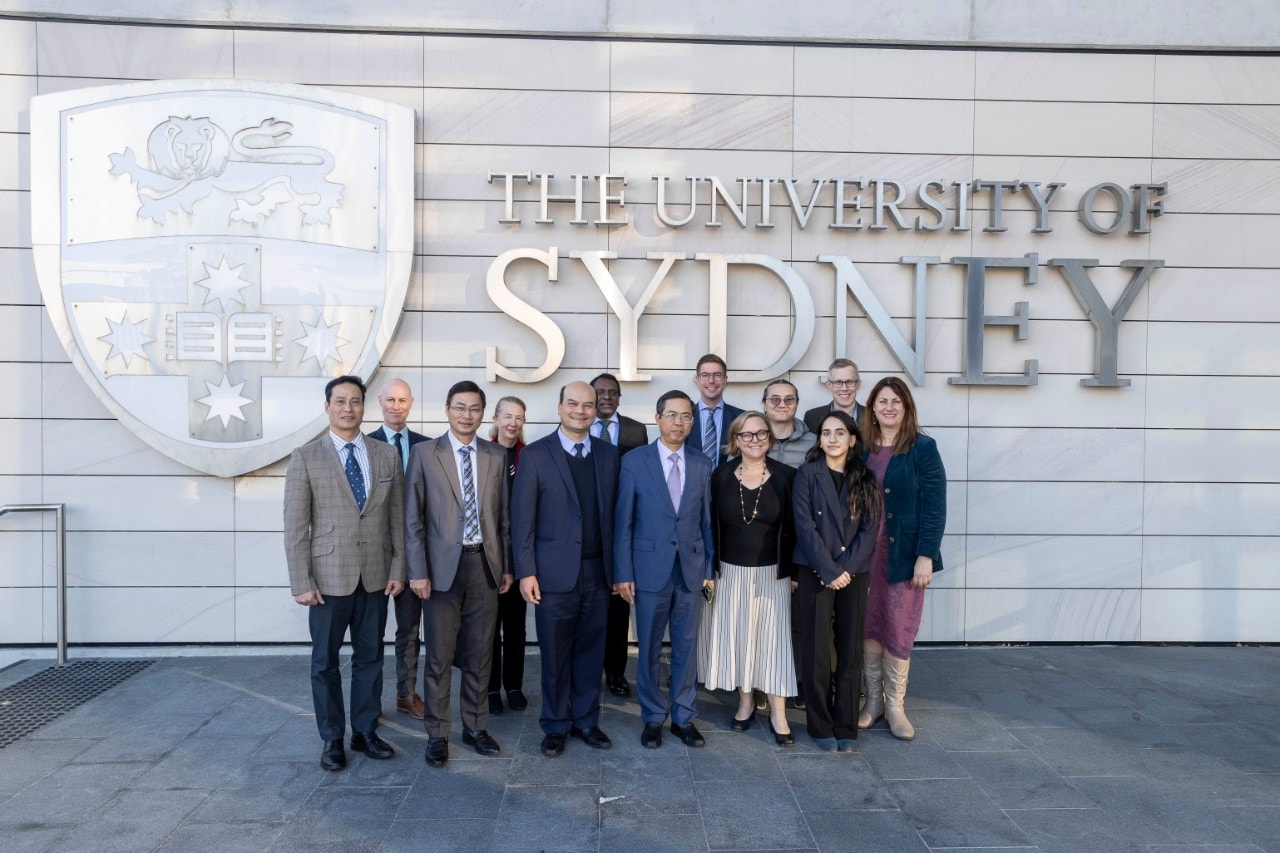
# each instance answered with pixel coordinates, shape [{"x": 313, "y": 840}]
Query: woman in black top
[{"x": 509, "y": 632}]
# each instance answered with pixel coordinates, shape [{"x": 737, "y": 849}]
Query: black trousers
[
  {"x": 408, "y": 609},
  {"x": 509, "y": 637},
  {"x": 365, "y": 614},
  {"x": 616, "y": 636},
  {"x": 831, "y": 619}
]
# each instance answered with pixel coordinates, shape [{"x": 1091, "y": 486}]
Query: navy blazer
[
  {"x": 648, "y": 532},
  {"x": 814, "y": 417},
  {"x": 826, "y": 540},
  {"x": 694, "y": 441},
  {"x": 915, "y": 505},
  {"x": 414, "y": 438},
  {"x": 546, "y": 521}
]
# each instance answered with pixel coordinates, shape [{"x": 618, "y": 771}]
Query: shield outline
[{"x": 396, "y": 244}]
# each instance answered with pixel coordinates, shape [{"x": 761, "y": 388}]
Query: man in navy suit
[
  {"x": 396, "y": 400},
  {"x": 663, "y": 558},
  {"x": 562, "y": 544},
  {"x": 712, "y": 417}
]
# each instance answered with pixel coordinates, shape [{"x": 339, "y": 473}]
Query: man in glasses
[
  {"x": 843, "y": 381},
  {"x": 456, "y": 527},
  {"x": 712, "y": 415},
  {"x": 664, "y": 556},
  {"x": 791, "y": 438}
]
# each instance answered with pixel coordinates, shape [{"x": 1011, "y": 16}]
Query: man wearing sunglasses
[
  {"x": 791, "y": 438},
  {"x": 843, "y": 381}
]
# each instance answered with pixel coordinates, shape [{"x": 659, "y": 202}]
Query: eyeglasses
[
  {"x": 459, "y": 409},
  {"x": 758, "y": 435},
  {"x": 677, "y": 417},
  {"x": 707, "y": 377},
  {"x": 844, "y": 383},
  {"x": 778, "y": 401}
]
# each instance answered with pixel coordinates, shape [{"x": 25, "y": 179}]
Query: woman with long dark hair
[
  {"x": 907, "y": 553},
  {"x": 837, "y": 505}
]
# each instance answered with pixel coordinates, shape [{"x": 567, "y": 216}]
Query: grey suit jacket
[
  {"x": 330, "y": 543},
  {"x": 433, "y": 512}
]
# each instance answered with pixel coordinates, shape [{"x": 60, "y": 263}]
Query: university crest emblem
[{"x": 212, "y": 252}]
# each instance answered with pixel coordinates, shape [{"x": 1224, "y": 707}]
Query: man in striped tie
[{"x": 713, "y": 415}]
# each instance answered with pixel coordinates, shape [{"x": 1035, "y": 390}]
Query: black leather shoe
[
  {"x": 797, "y": 701},
  {"x": 437, "y": 751},
  {"x": 495, "y": 704},
  {"x": 516, "y": 699},
  {"x": 689, "y": 734},
  {"x": 333, "y": 757},
  {"x": 553, "y": 745},
  {"x": 781, "y": 739},
  {"x": 593, "y": 737},
  {"x": 482, "y": 742},
  {"x": 742, "y": 725},
  {"x": 651, "y": 737},
  {"x": 371, "y": 745},
  {"x": 618, "y": 685}
]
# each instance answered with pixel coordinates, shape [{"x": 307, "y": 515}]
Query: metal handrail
[{"x": 60, "y": 514}]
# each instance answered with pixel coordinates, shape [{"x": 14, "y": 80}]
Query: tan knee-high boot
[
  {"x": 895, "y": 696},
  {"x": 873, "y": 681}
]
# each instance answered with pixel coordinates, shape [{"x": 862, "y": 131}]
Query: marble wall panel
[
  {"x": 22, "y": 442},
  {"x": 21, "y": 615},
  {"x": 143, "y": 503},
  {"x": 1053, "y": 615},
  {"x": 472, "y": 228},
  {"x": 1216, "y": 131},
  {"x": 893, "y": 284},
  {"x": 1052, "y": 298},
  {"x": 22, "y": 339},
  {"x": 259, "y": 559},
  {"x": 405, "y": 349},
  {"x": 1219, "y": 186},
  {"x": 17, "y": 47},
  {"x": 469, "y": 62},
  {"x": 1211, "y": 509},
  {"x": 459, "y": 340},
  {"x": 405, "y": 96},
  {"x": 1222, "y": 349},
  {"x": 914, "y": 126},
  {"x": 738, "y": 69},
  {"x": 1056, "y": 454},
  {"x": 645, "y": 233},
  {"x": 1054, "y": 562},
  {"x": 864, "y": 246},
  {"x": 1062, "y": 129},
  {"x": 1210, "y": 562},
  {"x": 955, "y": 573},
  {"x": 23, "y": 381},
  {"x": 641, "y": 165},
  {"x": 1043, "y": 76},
  {"x": 15, "y": 101},
  {"x": 1213, "y": 402},
  {"x": 136, "y": 53},
  {"x": 460, "y": 172},
  {"x": 100, "y": 447},
  {"x": 148, "y": 559},
  {"x": 911, "y": 170},
  {"x": 1069, "y": 239},
  {"x": 15, "y": 161},
  {"x": 660, "y": 120},
  {"x": 328, "y": 59},
  {"x": 21, "y": 557},
  {"x": 177, "y": 614},
  {"x": 270, "y": 615},
  {"x": 884, "y": 73},
  {"x": 1209, "y": 616},
  {"x": 65, "y": 395},
  {"x": 953, "y": 447},
  {"x": 15, "y": 219},
  {"x": 943, "y": 620},
  {"x": 1184, "y": 78},
  {"x": 1077, "y": 173},
  {"x": 22, "y": 489},
  {"x": 259, "y": 504},
  {"x": 1210, "y": 240},
  {"x": 1212, "y": 456},
  {"x": 1060, "y": 401},
  {"x": 511, "y": 117},
  {"x": 1056, "y": 508},
  {"x": 19, "y": 274}
]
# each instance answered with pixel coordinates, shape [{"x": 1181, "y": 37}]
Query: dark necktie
[
  {"x": 470, "y": 511},
  {"x": 709, "y": 436},
  {"x": 577, "y": 451},
  {"x": 399, "y": 443},
  {"x": 604, "y": 431},
  {"x": 354, "y": 477}
]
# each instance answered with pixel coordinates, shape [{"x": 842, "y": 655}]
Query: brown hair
[
  {"x": 730, "y": 448},
  {"x": 908, "y": 432}
]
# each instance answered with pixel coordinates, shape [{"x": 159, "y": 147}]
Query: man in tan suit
[
  {"x": 456, "y": 530},
  {"x": 344, "y": 543}
]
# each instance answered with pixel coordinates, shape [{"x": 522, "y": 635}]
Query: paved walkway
[{"x": 1054, "y": 749}]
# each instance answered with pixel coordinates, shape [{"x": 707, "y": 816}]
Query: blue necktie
[
  {"x": 577, "y": 451},
  {"x": 354, "y": 477},
  {"x": 709, "y": 436},
  {"x": 470, "y": 512}
]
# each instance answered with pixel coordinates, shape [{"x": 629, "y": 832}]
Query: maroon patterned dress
[{"x": 893, "y": 610}]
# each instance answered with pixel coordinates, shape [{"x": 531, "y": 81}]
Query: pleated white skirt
[{"x": 745, "y": 638}]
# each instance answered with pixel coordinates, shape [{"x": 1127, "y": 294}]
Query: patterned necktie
[
  {"x": 709, "y": 436},
  {"x": 470, "y": 511},
  {"x": 400, "y": 449},
  {"x": 674, "y": 484},
  {"x": 604, "y": 431},
  {"x": 577, "y": 451},
  {"x": 354, "y": 477}
]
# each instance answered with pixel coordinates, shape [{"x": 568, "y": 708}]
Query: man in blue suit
[
  {"x": 663, "y": 558},
  {"x": 713, "y": 415},
  {"x": 562, "y": 544}
]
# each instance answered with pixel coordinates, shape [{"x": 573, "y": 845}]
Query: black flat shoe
[
  {"x": 437, "y": 751},
  {"x": 780, "y": 739},
  {"x": 371, "y": 745},
  {"x": 743, "y": 725},
  {"x": 333, "y": 758},
  {"x": 516, "y": 700},
  {"x": 553, "y": 745},
  {"x": 651, "y": 737},
  {"x": 618, "y": 685},
  {"x": 593, "y": 737},
  {"x": 482, "y": 742},
  {"x": 689, "y": 734}
]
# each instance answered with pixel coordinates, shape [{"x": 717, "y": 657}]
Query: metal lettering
[
  {"x": 838, "y": 222},
  {"x": 661, "y": 209},
  {"x": 1105, "y": 320},
  {"x": 976, "y": 321},
  {"x": 545, "y": 197},
  {"x": 881, "y": 204},
  {"x": 1042, "y": 203},
  {"x": 1146, "y": 200},
  {"x": 509, "y": 192},
  {"x": 766, "y": 203},
  {"x": 997, "y": 200},
  {"x": 720, "y": 192},
  {"x": 962, "y": 206},
  {"x": 628, "y": 314},
  {"x": 507, "y": 302},
  {"x": 1123, "y": 206},
  {"x": 606, "y": 199},
  {"x": 803, "y": 213},
  {"x": 933, "y": 203}
]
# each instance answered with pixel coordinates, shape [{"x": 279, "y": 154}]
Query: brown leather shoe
[{"x": 411, "y": 705}]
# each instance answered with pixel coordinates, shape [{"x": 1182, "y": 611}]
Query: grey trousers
[{"x": 458, "y": 623}]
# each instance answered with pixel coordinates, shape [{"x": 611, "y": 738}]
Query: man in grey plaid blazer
[{"x": 344, "y": 543}]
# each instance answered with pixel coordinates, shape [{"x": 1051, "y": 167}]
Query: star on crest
[
  {"x": 322, "y": 341},
  {"x": 224, "y": 401},
  {"x": 126, "y": 339},
  {"x": 224, "y": 283}
]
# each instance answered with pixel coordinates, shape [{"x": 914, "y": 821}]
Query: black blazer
[
  {"x": 724, "y": 487},
  {"x": 826, "y": 540},
  {"x": 695, "y": 435},
  {"x": 814, "y": 417},
  {"x": 631, "y": 434}
]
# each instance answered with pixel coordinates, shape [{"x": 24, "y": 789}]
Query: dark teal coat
[{"x": 915, "y": 506}]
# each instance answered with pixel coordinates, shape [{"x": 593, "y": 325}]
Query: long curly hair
[{"x": 864, "y": 492}]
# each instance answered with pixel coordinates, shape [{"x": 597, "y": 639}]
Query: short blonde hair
[{"x": 731, "y": 436}]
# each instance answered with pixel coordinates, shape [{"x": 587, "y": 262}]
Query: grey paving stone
[
  {"x": 865, "y": 832},
  {"x": 364, "y": 772},
  {"x": 30, "y": 760},
  {"x": 1012, "y": 708},
  {"x": 1077, "y": 752},
  {"x": 579, "y": 764},
  {"x": 1125, "y": 727},
  {"x": 548, "y": 817},
  {"x": 462, "y": 835},
  {"x": 132, "y": 820},
  {"x": 751, "y": 815},
  {"x": 961, "y": 730},
  {"x": 955, "y": 813},
  {"x": 296, "y": 740},
  {"x": 1083, "y": 831},
  {"x": 68, "y": 794},
  {"x": 1251, "y": 749},
  {"x": 245, "y": 716},
  {"x": 1162, "y": 705},
  {"x": 233, "y": 837},
  {"x": 1169, "y": 814},
  {"x": 834, "y": 781},
  {"x": 921, "y": 758},
  {"x": 1210, "y": 780},
  {"x": 1020, "y": 780},
  {"x": 353, "y": 817},
  {"x": 32, "y": 837},
  {"x": 652, "y": 782},
  {"x": 460, "y": 789},
  {"x": 269, "y": 791},
  {"x": 1261, "y": 826},
  {"x": 199, "y": 762},
  {"x": 731, "y": 755},
  {"x": 653, "y": 833},
  {"x": 131, "y": 743}
]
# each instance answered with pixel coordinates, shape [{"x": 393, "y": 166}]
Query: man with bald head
[
  {"x": 562, "y": 545},
  {"x": 396, "y": 399}
]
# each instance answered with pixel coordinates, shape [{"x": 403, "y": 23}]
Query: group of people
[{"x": 784, "y": 557}]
